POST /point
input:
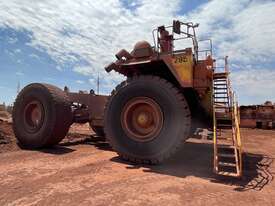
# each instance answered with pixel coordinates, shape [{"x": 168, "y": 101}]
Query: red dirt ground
[{"x": 83, "y": 171}]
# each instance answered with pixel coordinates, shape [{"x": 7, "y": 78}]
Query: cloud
[
  {"x": 35, "y": 56},
  {"x": 80, "y": 81},
  {"x": 92, "y": 82},
  {"x": 19, "y": 73},
  {"x": 59, "y": 68},
  {"x": 241, "y": 29},
  {"x": 12, "y": 40},
  {"x": 17, "y": 51},
  {"x": 86, "y": 31},
  {"x": 254, "y": 83},
  {"x": 86, "y": 34},
  {"x": 84, "y": 70}
]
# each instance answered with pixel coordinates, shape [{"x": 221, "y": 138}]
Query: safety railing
[
  {"x": 215, "y": 140},
  {"x": 237, "y": 132}
]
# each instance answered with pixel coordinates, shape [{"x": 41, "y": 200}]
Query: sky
[{"x": 69, "y": 42}]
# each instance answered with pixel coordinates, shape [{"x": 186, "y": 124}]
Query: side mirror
[{"x": 176, "y": 27}]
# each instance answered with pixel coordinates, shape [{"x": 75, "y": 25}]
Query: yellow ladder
[{"x": 227, "y": 150}]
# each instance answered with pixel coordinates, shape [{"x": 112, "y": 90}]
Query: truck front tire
[{"x": 147, "y": 119}]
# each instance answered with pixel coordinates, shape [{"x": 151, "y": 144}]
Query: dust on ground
[{"x": 83, "y": 170}]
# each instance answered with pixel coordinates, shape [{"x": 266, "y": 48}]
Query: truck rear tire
[
  {"x": 98, "y": 130},
  {"x": 41, "y": 116},
  {"x": 147, "y": 119}
]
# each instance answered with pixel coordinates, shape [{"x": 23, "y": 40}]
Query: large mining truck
[{"x": 167, "y": 94}]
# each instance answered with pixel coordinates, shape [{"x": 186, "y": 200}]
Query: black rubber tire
[
  {"x": 57, "y": 116},
  {"x": 175, "y": 128},
  {"x": 98, "y": 130}
]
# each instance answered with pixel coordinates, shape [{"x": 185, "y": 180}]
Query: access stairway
[{"x": 227, "y": 148}]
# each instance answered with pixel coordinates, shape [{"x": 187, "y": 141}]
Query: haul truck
[{"x": 167, "y": 94}]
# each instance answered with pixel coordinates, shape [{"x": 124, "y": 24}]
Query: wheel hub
[
  {"x": 142, "y": 119},
  {"x": 33, "y": 116}
]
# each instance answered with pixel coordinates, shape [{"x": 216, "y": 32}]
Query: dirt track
[{"x": 88, "y": 173}]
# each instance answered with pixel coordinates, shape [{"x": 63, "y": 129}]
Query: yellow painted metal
[
  {"x": 236, "y": 135},
  {"x": 181, "y": 65},
  {"x": 215, "y": 142}
]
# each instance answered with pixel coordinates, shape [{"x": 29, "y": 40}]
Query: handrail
[
  {"x": 238, "y": 133},
  {"x": 237, "y": 124},
  {"x": 187, "y": 35},
  {"x": 215, "y": 137}
]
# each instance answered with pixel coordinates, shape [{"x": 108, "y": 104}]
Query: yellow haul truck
[{"x": 168, "y": 93}]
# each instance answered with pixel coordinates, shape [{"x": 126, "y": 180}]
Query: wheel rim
[
  {"x": 33, "y": 116},
  {"x": 142, "y": 119}
]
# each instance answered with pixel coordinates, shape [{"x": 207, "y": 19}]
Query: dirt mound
[
  {"x": 78, "y": 133},
  {"x": 3, "y": 139},
  {"x": 5, "y": 116},
  {"x": 7, "y": 138}
]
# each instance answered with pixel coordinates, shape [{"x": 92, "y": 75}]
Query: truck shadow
[
  {"x": 195, "y": 159},
  {"x": 56, "y": 150},
  {"x": 96, "y": 141},
  {"x": 65, "y": 146}
]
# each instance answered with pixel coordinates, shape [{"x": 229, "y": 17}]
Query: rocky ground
[{"x": 83, "y": 170}]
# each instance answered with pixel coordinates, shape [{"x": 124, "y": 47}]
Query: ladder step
[
  {"x": 222, "y": 107},
  {"x": 220, "y": 93},
  {"x": 224, "y": 120},
  {"x": 219, "y": 80},
  {"x": 222, "y": 114},
  {"x": 224, "y": 126},
  {"x": 224, "y": 138},
  {"x": 227, "y": 164},
  {"x": 221, "y": 74},
  {"x": 221, "y": 97},
  {"x": 219, "y": 102},
  {"x": 219, "y": 84},
  {"x": 231, "y": 174},
  {"x": 219, "y": 88},
  {"x": 223, "y": 117},
  {"x": 222, "y": 110},
  {"x": 224, "y": 146},
  {"x": 226, "y": 155}
]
